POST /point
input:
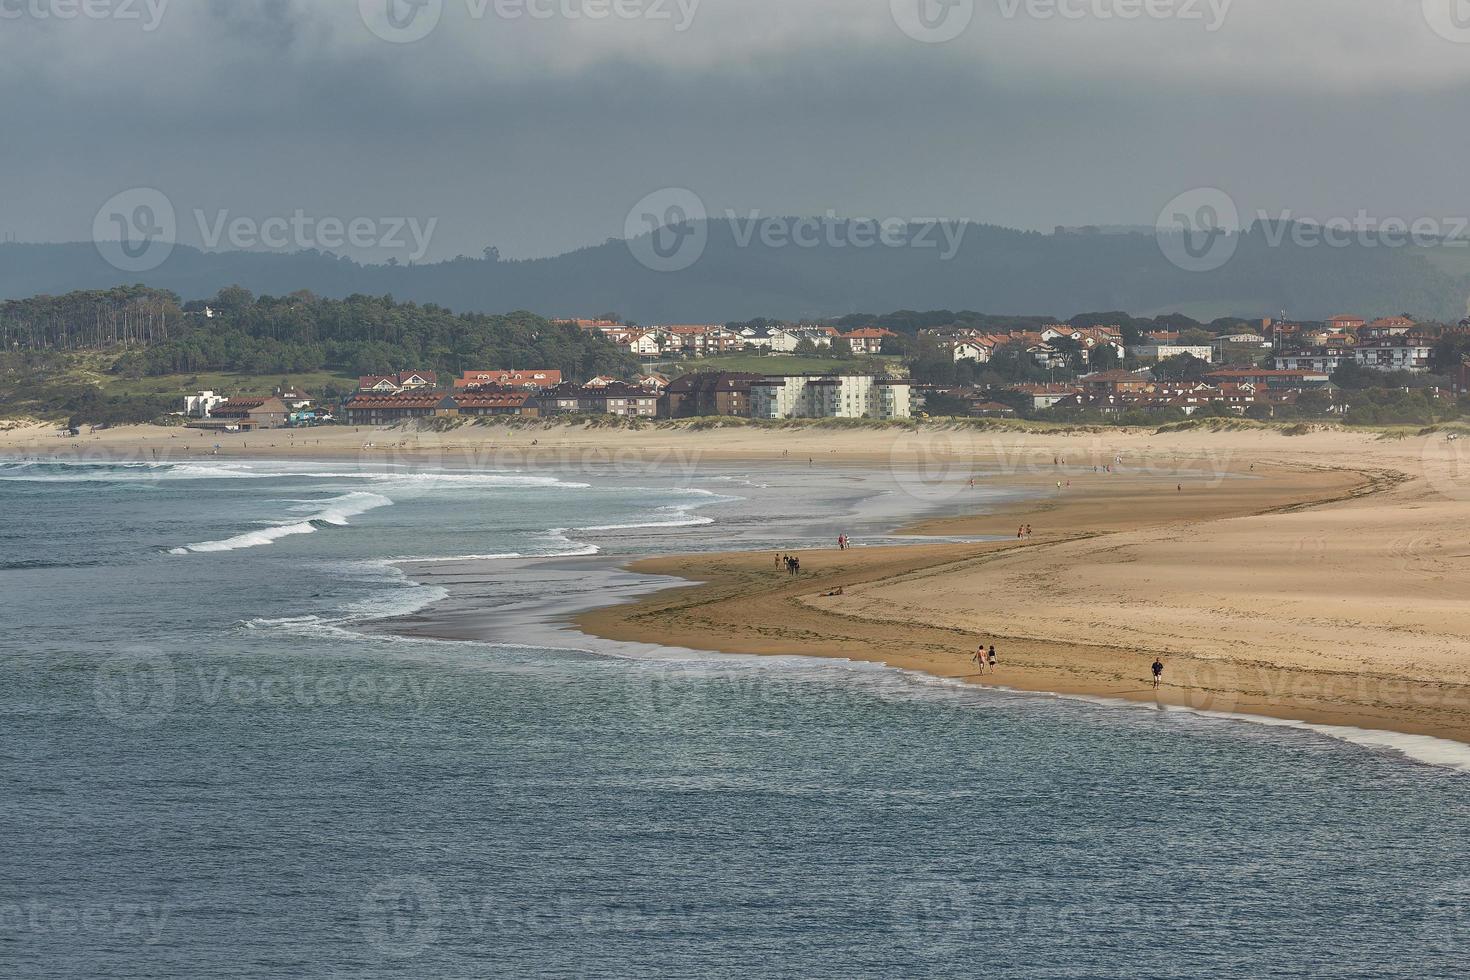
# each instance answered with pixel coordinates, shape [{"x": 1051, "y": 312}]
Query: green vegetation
[{"x": 130, "y": 354}]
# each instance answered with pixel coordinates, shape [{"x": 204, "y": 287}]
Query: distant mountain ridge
[{"x": 740, "y": 276}]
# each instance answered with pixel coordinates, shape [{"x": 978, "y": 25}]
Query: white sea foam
[
  {"x": 335, "y": 512},
  {"x": 680, "y": 516}
]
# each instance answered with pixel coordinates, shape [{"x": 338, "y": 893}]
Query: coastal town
[{"x": 1280, "y": 368}]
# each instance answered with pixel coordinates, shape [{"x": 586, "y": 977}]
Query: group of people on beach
[
  {"x": 792, "y": 563},
  {"x": 842, "y": 542},
  {"x": 1023, "y": 532}
]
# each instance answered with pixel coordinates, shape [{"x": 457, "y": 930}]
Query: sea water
[{"x": 210, "y": 768}]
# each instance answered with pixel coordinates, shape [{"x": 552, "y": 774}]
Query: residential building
[
  {"x": 616, "y": 398},
  {"x": 1385, "y": 327},
  {"x": 699, "y": 339},
  {"x": 777, "y": 340},
  {"x": 1043, "y": 348},
  {"x": 1322, "y": 360},
  {"x": 295, "y": 399},
  {"x": 830, "y": 396},
  {"x": 199, "y": 406},
  {"x": 389, "y": 384},
  {"x": 497, "y": 402},
  {"x": 1343, "y": 323},
  {"x": 868, "y": 340},
  {"x": 1162, "y": 352},
  {"x": 708, "y": 393},
  {"x": 655, "y": 382},
  {"x": 979, "y": 351},
  {"x": 253, "y": 413},
  {"x": 1399, "y": 352},
  {"x": 374, "y": 408},
  {"x": 819, "y": 335},
  {"x": 1045, "y": 395}
]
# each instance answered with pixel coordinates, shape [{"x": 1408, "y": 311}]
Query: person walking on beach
[
  {"x": 1158, "y": 672},
  {"x": 796, "y": 566},
  {"x": 991, "y": 658},
  {"x": 778, "y": 561},
  {"x": 978, "y": 658}
]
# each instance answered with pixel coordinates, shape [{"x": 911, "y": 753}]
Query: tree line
[{"x": 156, "y": 334}]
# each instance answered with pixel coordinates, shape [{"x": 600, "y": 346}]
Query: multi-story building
[
  {"x": 830, "y": 396},
  {"x": 1385, "y": 327},
  {"x": 1402, "y": 352},
  {"x": 708, "y": 393},
  {"x": 1162, "y": 352},
  {"x": 497, "y": 402},
  {"x": 373, "y": 408},
  {"x": 1323, "y": 360}
]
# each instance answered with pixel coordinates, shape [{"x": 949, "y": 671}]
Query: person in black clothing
[{"x": 1158, "y": 672}]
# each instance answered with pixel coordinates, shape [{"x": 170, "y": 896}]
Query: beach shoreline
[{"x": 1313, "y": 579}]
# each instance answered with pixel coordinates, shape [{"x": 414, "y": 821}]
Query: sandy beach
[{"x": 1316, "y": 577}]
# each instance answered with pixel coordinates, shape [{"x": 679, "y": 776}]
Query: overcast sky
[{"x": 537, "y": 134}]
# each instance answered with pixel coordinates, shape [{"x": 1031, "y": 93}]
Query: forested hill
[
  {"x": 739, "y": 277},
  {"x": 155, "y": 335}
]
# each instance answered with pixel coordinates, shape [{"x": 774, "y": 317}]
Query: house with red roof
[
  {"x": 868, "y": 340},
  {"x": 393, "y": 383}
]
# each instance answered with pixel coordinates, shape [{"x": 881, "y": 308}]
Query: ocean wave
[
  {"x": 681, "y": 518},
  {"x": 335, "y": 512}
]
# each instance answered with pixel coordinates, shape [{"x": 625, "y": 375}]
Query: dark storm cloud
[{"x": 537, "y": 133}]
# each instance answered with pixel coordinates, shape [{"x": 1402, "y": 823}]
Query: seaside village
[{"x": 1249, "y": 373}]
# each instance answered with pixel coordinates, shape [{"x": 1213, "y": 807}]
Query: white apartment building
[
  {"x": 1323, "y": 359},
  {"x": 1395, "y": 353},
  {"x": 830, "y": 397},
  {"x": 1163, "y": 352},
  {"x": 201, "y": 405}
]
